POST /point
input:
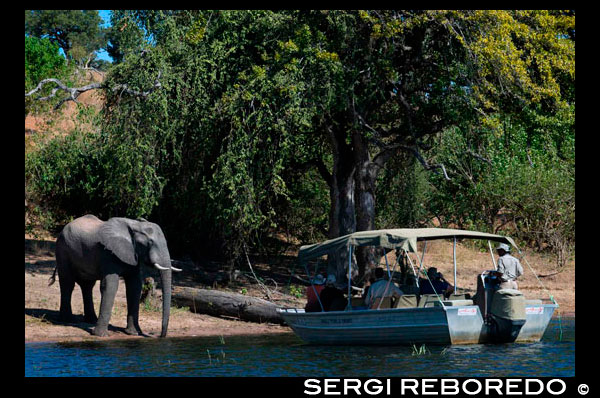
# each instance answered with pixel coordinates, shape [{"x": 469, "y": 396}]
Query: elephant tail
[{"x": 53, "y": 277}]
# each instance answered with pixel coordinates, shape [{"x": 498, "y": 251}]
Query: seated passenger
[
  {"x": 367, "y": 286},
  {"x": 313, "y": 292},
  {"x": 435, "y": 284},
  {"x": 381, "y": 288},
  {"x": 332, "y": 298},
  {"x": 410, "y": 285}
]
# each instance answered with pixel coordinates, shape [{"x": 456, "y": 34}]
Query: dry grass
[{"x": 64, "y": 120}]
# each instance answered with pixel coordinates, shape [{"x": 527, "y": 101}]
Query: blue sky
[{"x": 105, "y": 14}]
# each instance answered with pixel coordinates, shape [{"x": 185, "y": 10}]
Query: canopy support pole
[
  {"x": 387, "y": 266},
  {"x": 349, "y": 278},
  {"x": 492, "y": 254},
  {"x": 427, "y": 275},
  {"x": 454, "y": 260},
  {"x": 387, "y": 285},
  {"x": 421, "y": 263}
]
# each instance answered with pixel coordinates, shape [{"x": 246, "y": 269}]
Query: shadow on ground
[{"x": 52, "y": 317}]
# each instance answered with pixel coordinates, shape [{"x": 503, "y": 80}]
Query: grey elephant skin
[{"x": 89, "y": 249}]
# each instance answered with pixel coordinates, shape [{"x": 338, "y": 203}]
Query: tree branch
[
  {"x": 426, "y": 165},
  {"x": 479, "y": 157},
  {"x": 74, "y": 92},
  {"x": 125, "y": 88}
]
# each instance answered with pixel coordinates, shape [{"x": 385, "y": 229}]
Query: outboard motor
[
  {"x": 502, "y": 309},
  {"x": 487, "y": 284},
  {"x": 507, "y": 315}
]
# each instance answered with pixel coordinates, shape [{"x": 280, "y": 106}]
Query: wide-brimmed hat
[
  {"x": 503, "y": 246},
  {"x": 318, "y": 280},
  {"x": 432, "y": 272}
]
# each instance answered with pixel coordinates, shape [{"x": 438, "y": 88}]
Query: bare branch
[
  {"x": 74, "y": 92},
  {"x": 125, "y": 88},
  {"x": 479, "y": 157},
  {"x": 426, "y": 165}
]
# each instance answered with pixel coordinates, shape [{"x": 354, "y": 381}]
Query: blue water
[{"x": 287, "y": 355}]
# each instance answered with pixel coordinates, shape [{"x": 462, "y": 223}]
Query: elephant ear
[{"x": 116, "y": 236}]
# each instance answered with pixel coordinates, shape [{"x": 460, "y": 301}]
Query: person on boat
[
  {"x": 331, "y": 297},
  {"x": 367, "y": 286},
  {"x": 381, "y": 288},
  {"x": 410, "y": 285},
  {"x": 313, "y": 292},
  {"x": 435, "y": 283},
  {"x": 509, "y": 268}
]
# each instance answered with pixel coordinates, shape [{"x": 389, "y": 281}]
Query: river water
[{"x": 287, "y": 355}]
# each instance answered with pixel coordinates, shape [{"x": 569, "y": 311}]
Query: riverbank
[{"x": 42, "y": 302}]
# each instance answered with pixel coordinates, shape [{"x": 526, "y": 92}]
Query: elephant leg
[
  {"x": 67, "y": 284},
  {"x": 88, "y": 301},
  {"x": 133, "y": 287},
  {"x": 108, "y": 290}
]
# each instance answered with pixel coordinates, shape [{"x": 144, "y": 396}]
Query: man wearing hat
[
  {"x": 509, "y": 267},
  {"x": 436, "y": 283}
]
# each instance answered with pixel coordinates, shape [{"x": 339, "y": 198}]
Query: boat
[{"x": 492, "y": 316}]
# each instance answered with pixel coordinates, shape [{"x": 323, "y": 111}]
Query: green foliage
[
  {"x": 65, "y": 177},
  {"x": 522, "y": 181},
  {"x": 77, "y": 32},
  {"x": 402, "y": 194},
  {"x": 42, "y": 61},
  {"x": 420, "y": 351},
  {"x": 256, "y": 106},
  {"x": 296, "y": 291}
]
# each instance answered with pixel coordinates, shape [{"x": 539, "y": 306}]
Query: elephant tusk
[
  {"x": 176, "y": 269},
  {"x": 158, "y": 267}
]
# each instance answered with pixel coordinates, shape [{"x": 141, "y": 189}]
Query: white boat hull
[{"x": 400, "y": 326}]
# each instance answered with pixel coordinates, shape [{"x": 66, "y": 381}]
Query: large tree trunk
[
  {"x": 342, "y": 219},
  {"x": 220, "y": 303},
  {"x": 366, "y": 176}
]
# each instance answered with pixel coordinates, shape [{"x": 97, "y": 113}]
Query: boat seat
[
  {"x": 409, "y": 289},
  {"x": 457, "y": 303},
  {"x": 407, "y": 301},
  {"x": 357, "y": 301},
  {"x": 464, "y": 296},
  {"x": 387, "y": 303},
  {"x": 533, "y": 302},
  {"x": 428, "y": 300}
]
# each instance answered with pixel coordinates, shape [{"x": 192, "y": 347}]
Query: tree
[
  {"x": 405, "y": 77},
  {"x": 42, "y": 60},
  {"x": 247, "y": 96},
  {"x": 77, "y": 32}
]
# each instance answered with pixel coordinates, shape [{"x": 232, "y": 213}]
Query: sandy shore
[{"x": 42, "y": 302}]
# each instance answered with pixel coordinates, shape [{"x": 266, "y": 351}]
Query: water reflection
[{"x": 286, "y": 355}]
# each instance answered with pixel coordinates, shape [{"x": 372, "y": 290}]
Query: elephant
[{"x": 89, "y": 249}]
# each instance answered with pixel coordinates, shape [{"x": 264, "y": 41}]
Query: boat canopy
[{"x": 402, "y": 238}]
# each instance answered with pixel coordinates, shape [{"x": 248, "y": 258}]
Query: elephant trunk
[{"x": 165, "y": 276}]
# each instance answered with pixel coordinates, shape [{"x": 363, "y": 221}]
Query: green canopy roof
[{"x": 402, "y": 238}]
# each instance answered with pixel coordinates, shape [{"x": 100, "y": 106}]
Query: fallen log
[{"x": 220, "y": 303}]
